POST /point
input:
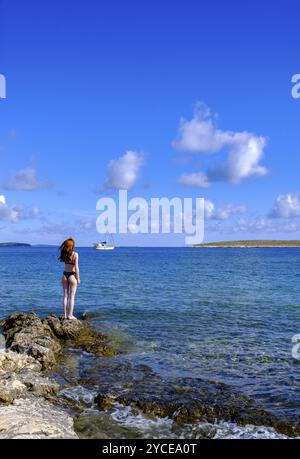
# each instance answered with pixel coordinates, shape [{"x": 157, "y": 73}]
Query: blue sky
[{"x": 198, "y": 93}]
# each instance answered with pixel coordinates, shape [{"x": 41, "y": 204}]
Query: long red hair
[{"x": 66, "y": 250}]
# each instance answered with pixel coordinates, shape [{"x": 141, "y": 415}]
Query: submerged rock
[{"x": 193, "y": 400}]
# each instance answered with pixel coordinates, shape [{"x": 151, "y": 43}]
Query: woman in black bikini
[{"x": 70, "y": 278}]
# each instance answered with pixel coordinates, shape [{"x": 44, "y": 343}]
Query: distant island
[
  {"x": 250, "y": 243},
  {"x": 14, "y": 244}
]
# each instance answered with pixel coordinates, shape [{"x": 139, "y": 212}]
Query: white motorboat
[
  {"x": 110, "y": 245},
  {"x": 103, "y": 246}
]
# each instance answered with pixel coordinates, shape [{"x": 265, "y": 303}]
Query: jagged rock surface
[
  {"x": 35, "y": 418},
  {"x": 27, "y": 395},
  {"x": 44, "y": 339}
]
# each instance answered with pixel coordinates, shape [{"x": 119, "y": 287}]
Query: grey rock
[
  {"x": 12, "y": 362},
  {"x": 10, "y": 388},
  {"x": 33, "y": 346},
  {"x": 39, "y": 385},
  {"x": 80, "y": 334},
  {"x": 43, "y": 339},
  {"x": 35, "y": 418},
  {"x": 43, "y": 354},
  {"x": 20, "y": 373}
]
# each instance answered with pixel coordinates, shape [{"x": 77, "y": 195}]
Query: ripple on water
[{"x": 223, "y": 315}]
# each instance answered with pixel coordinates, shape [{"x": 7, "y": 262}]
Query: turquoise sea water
[{"x": 224, "y": 315}]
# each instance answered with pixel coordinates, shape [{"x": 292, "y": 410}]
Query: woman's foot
[{"x": 72, "y": 318}]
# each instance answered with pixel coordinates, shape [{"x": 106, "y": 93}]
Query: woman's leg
[
  {"x": 65, "y": 286},
  {"x": 72, "y": 293}
]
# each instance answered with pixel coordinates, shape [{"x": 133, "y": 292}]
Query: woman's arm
[{"x": 77, "y": 268}]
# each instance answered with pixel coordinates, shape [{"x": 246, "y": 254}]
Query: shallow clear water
[{"x": 225, "y": 315}]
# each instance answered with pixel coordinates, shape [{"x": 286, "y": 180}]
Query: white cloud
[
  {"x": 7, "y": 213},
  {"x": 201, "y": 135},
  {"x": 216, "y": 218},
  {"x": 269, "y": 225},
  {"x": 256, "y": 225},
  {"x": 260, "y": 225},
  {"x": 198, "y": 179},
  {"x": 286, "y": 206},
  {"x": 34, "y": 212},
  {"x": 26, "y": 180},
  {"x": 209, "y": 208},
  {"x": 221, "y": 213},
  {"x": 87, "y": 224},
  {"x": 62, "y": 228},
  {"x": 123, "y": 172},
  {"x": 25, "y": 213},
  {"x": 284, "y": 217},
  {"x": 13, "y": 214}
]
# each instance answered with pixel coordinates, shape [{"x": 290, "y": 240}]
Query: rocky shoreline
[
  {"x": 28, "y": 404},
  {"x": 32, "y": 405}
]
